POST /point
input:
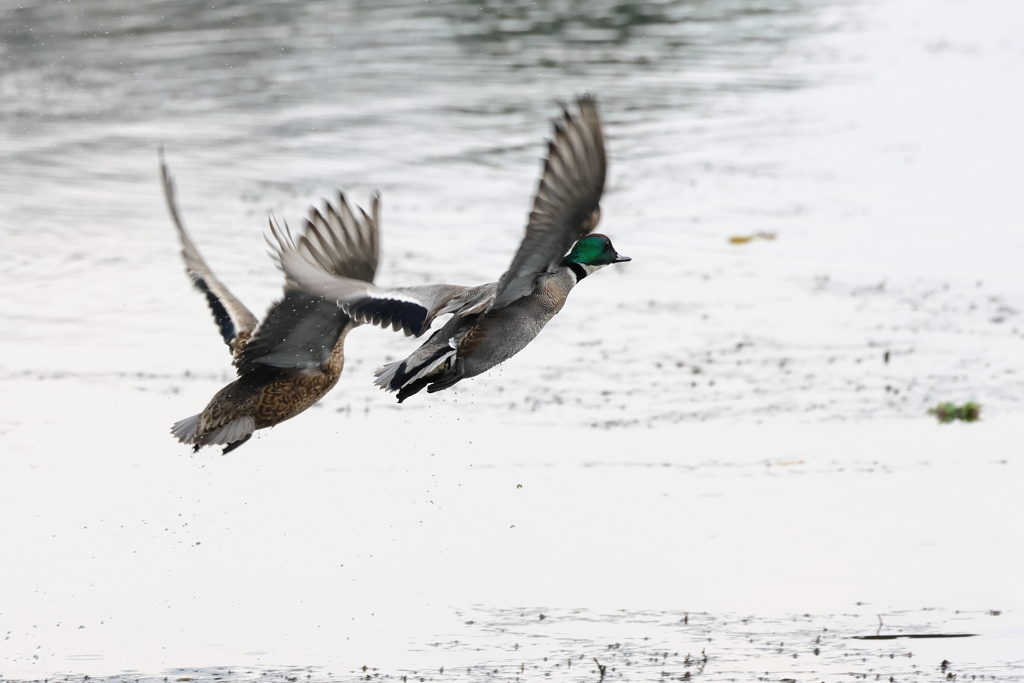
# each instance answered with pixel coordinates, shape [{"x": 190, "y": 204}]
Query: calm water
[{"x": 878, "y": 141}]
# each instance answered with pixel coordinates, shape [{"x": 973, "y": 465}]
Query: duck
[
  {"x": 489, "y": 323},
  {"x": 294, "y": 356}
]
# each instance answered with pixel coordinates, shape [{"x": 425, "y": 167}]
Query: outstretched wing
[
  {"x": 341, "y": 243},
  {"x": 301, "y": 330},
  {"x": 235, "y": 321},
  {"x": 414, "y": 309},
  {"x": 566, "y": 206},
  {"x": 305, "y": 262}
]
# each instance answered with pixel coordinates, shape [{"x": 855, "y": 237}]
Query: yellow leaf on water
[{"x": 743, "y": 239}]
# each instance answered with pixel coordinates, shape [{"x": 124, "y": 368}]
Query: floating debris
[
  {"x": 948, "y": 412},
  {"x": 743, "y": 239}
]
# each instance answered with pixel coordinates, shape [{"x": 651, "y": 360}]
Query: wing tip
[{"x": 347, "y": 240}]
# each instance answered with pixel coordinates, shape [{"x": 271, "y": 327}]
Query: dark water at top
[
  {"x": 105, "y": 62},
  {"x": 356, "y": 87}
]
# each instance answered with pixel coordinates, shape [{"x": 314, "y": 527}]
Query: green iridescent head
[{"x": 596, "y": 251}]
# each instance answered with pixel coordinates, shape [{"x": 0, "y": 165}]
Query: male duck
[
  {"x": 295, "y": 356},
  {"x": 490, "y": 323}
]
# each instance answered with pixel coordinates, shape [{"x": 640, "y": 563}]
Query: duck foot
[{"x": 235, "y": 444}]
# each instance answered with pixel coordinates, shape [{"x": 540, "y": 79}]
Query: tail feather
[
  {"x": 238, "y": 429},
  {"x": 235, "y": 430},
  {"x": 386, "y": 374},
  {"x": 185, "y": 430},
  {"x": 395, "y": 376}
]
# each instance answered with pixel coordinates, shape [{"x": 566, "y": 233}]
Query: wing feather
[
  {"x": 300, "y": 333},
  {"x": 566, "y": 205},
  {"x": 235, "y": 321},
  {"x": 305, "y": 263},
  {"x": 301, "y": 330}
]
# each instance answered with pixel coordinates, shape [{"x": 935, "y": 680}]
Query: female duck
[
  {"x": 294, "y": 357},
  {"x": 490, "y": 323}
]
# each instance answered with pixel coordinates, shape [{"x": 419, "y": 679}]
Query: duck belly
[
  {"x": 289, "y": 396},
  {"x": 268, "y": 398},
  {"x": 507, "y": 331}
]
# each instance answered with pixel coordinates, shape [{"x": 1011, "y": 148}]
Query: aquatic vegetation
[{"x": 948, "y": 412}]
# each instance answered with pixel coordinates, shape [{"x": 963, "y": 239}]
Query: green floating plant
[{"x": 948, "y": 412}]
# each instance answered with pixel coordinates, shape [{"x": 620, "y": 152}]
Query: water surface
[{"x": 878, "y": 141}]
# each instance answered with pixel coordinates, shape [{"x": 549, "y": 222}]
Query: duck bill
[{"x": 619, "y": 258}]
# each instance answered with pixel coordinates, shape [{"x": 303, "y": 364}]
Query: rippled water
[
  {"x": 724, "y": 118},
  {"x": 878, "y": 141}
]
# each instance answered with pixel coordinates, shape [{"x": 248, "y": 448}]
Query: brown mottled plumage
[
  {"x": 296, "y": 355},
  {"x": 268, "y": 397}
]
